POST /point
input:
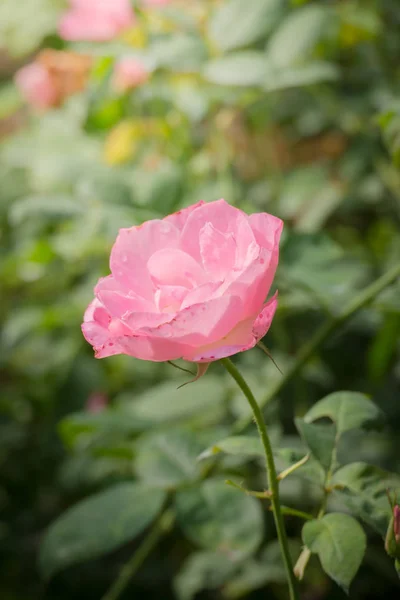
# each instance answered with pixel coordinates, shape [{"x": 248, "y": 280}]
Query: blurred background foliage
[{"x": 287, "y": 107}]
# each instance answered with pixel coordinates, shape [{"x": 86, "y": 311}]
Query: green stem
[
  {"x": 162, "y": 526},
  {"x": 293, "y": 512},
  {"x": 322, "y": 334},
  {"x": 266, "y": 495},
  {"x": 273, "y": 484}
]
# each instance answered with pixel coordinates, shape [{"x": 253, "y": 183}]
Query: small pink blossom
[
  {"x": 96, "y": 402},
  {"x": 128, "y": 74},
  {"x": 96, "y": 20},
  {"x": 36, "y": 85},
  {"x": 396, "y": 523},
  {"x": 191, "y": 286}
]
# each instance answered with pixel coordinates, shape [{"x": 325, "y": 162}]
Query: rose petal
[
  {"x": 179, "y": 218},
  {"x": 224, "y": 218},
  {"x": 136, "y": 321},
  {"x": 217, "y": 251},
  {"x": 147, "y": 348},
  {"x": 201, "y": 323},
  {"x": 245, "y": 336},
  {"x": 116, "y": 301},
  {"x": 267, "y": 230},
  {"x": 169, "y": 298},
  {"x": 132, "y": 250},
  {"x": 204, "y": 292},
  {"x": 171, "y": 266}
]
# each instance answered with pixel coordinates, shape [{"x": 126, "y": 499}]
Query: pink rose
[
  {"x": 128, "y": 74},
  {"x": 96, "y": 403},
  {"x": 191, "y": 286},
  {"x": 96, "y": 20},
  {"x": 37, "y": 86}
]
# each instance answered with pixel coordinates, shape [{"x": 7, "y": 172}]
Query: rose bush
[{"x": 191, "y": 286}]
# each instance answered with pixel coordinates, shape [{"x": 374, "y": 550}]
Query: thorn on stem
[{"x": 268, "y": 353}]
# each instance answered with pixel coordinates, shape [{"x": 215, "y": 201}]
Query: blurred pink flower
[
  {"x": 36, "y": 85},
  {"x": 191, "y": 286},
  {"x": 52, "y": 77},
  {"x": 96, "y": 20},
  {"x": 396, "y": 523},
  {"x": 96, "y": 402},
  {"x": 128, "y": 74}
]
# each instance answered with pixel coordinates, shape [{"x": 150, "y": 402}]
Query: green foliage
[
  {"x": 235, "y": 445},
  {"x": 296, "y": 37},
  {"x": 23, "y": 26},
  {"x": 202, "y": 570},
  {"x": 363, "y": 489},
  {"x": 235, "y": 24},
  {"x": 168, "y": 459},
  {"x": 217, "y": 517},
  {"x": 99, "y": 524},
  {"x": 321, "y": 440},
  {"x": 245, "y": 68},
  {"x": 286, "y": 107},
  {"x": 348, "y": 410},
  {"x": 340, "y": 544}
]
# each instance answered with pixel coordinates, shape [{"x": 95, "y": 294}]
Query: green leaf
[
  {"x": 340, "y": 543},
  {"x": 98, "y": 525},
  {"x": 93, "y": 426},
  {"x": 253, "y": 574},
  {"x": 320, "y": 439},
  {"x": 54, "y": 207},
  {"x": 238, "y": 445},
  {"x": 164, "y": 403},
  {"x": 246, "y": 68},
  {"x": 311, "y": 470},
  {"x": 236, "y": 23},
  {"x": 82, "y": 472},
  {"x": 309, "y": 74},
  {"x": 24, "y": 25},
  {"x": 168, "y": 459},
  {"x": 314, "y": 263},
  {"x": 383, "y": 347},
  {"x": 365, "y": 492},
  {"x": 219, "y": 518},
  {"x": 180, "y": 52},
  {"x": 158, "y": 189},
  {"x": 202, "y": 571},
  {"x": 295, "y": 39},
  {"x": 348, "y": 410}
]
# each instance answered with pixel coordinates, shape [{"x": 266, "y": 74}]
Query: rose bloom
[
  {"x": 36, "y": 86},
  {"x": 96, "y": 20},
  {"x": 191, "y": 286},
  {"x": 96, "y": 403},
  {"x": 128, "y": 74},
  {"x": 52, "y": 77}
]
